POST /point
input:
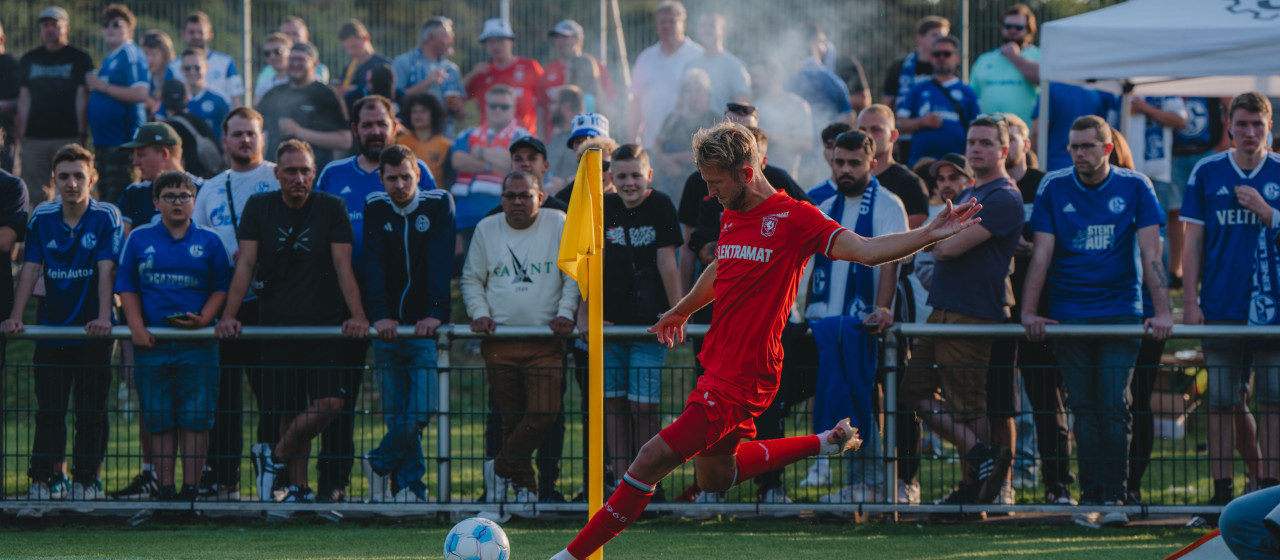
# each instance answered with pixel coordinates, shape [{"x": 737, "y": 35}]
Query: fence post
[
  {"x": 444, "y": 452},
  {"x": 891, "y": 419},
  {"x": 246, "y": 49}
]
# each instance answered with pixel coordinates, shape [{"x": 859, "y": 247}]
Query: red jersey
[
  {"x": 523, "y": 75},
  {"x": 554, "y": 78},
  {"x": 759, "y": 260}
]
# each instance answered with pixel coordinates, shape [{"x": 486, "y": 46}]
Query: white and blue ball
[{"x": 477, "y": 539}]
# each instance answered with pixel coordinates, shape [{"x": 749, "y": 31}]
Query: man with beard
[
  {"x": 353, "y": 179},
  {"x": 219, "y": 207},
  {"x": 841, "y": 289},
  {"x": 937, "y": 112},
  {"x": 306, "y": 110},
  {"x": 970, "y": 287},
  {"x": 1005, "y": 78},
  {"x": 295, "y": 246}
]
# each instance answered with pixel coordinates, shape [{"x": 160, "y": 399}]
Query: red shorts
[{"x": 714, "y": 422}]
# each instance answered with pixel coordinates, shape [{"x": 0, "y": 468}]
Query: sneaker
[
  {"x": 908, "y": 493},
  {"x": 299, "y": 495},
  {"x": 1133, "y": 498},
  {"x": 218, "y": 493},
  {"x": 265, "y": 470},
  {"x": 189, "y": 493},
  {"x": 1086, "y": 519},
  {"x": 168, "y": 493},
  {"x": 553, "y": 496},
  {"x": 855, "y": 494},
  {"x": 498, "y": 489},
  {"x": 37, "y": 492},
  {"x": 91, "y": 493},
  {"x": 407, "y": 495},
  {"x": 963, "y": 494},
  {"x": 819, "y": 472},
  {"x": 1006, "y": 497},
  {"x": 989, "y": 468},
  {"x": 774, "y": 496},
  {"x": 1115, "y": 518},
  {"x": 333, "y": 496},
  {"x": 379, "y": 484},
  {"x": 1059, "y": 495},
  {"x": 144, "y": 487},
  {"x": 704, "y": 498},
  {"x": 840, "y": 438},
  {"x": 525, "y": 496}
]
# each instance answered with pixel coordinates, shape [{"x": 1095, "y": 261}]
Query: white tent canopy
[{"x": 1169, "y": 47}]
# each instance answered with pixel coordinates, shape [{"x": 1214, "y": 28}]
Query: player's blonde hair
[{"x": 726, "y": 146}]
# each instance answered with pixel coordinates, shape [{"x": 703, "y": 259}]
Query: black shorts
[
  {"x": 1002, "y": 379},
  {"x": 297, "y": 373}
]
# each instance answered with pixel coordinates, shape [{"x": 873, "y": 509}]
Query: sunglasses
[
  {"x": 500, "y": 106},
  {"x": 1014, "y": 27},
  {"x": 518, "y": 196},
  {"x": 943, "y": 54},
  {"x": 191, "y": 68},
  {"x": 273, "y": 52},
  {"x": 741, "y": 109},
  {"x": 177, "y": 198},
  {"x": 113, "y": 24}
]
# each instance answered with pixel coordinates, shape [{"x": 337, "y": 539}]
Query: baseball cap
[
  {"x": 566, "y": 28},
  {"x": 955, "y": 160},
  {"x": 529, "y": 142},
  {"x": 589, "y": 124},
  {"x": 496, "y": 27},
  {"x": 173, "y": 93},
  {"x": 53, "y": 12},
  {"x": 153, "y": 133}
]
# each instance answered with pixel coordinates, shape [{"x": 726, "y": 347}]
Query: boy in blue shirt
[
  {"x": 205, "y": 103},
  {"x": 1087, "y": 220},
  {"x": 175, "y": 273},
  {"x": 74, "y": 244},
  {"x": 117, "y": 104},
  {"x": 937, "y": 112},
  {"x": 1220, "y": 223}
]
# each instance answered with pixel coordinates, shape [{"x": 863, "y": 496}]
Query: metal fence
[{"x": 459, "y": 438}]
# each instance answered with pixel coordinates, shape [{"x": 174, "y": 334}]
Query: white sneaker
[
  {"x": 908, "y": 494},
  {"x": 1115, "y": 518},
  {"x": 819, "y": 472},
  {"x": 37, "y": 492},
  {"x": 775, "y": 496},
  {"x": 1006, "y": 497},
  {"x": 855, "y": 494},
  {"x": 91, "y": 493},
  {"x": 704, "y": 498},
  {"x": 840, "y": 438},
  {"x": 265, "y": 468},
  {"x": 406, "y": 495},
  {"x": 379, "y": 484},
  {"x": 525, "y": 496},
  {"x": 1086, "y": 519}
]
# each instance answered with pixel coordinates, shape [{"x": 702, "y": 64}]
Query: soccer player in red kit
[{"x": 765, "y": 239}]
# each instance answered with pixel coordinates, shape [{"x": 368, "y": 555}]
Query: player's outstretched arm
[
  {"x": 876, "y": 251},
  {"x": 670, "y": 327}
]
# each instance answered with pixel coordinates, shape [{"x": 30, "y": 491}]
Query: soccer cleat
[
  {"x": 379, "y": 484},
  {"x": 265, "y": 470},
  {"x": 144, "y": 487},
  {"x": 908, "y": 494},
  {"x": 819, "y": 472},
  {"x": 842, "y": 437},
  {"x": 855, "y": 494},
  {"x": 989, "y": 468}
]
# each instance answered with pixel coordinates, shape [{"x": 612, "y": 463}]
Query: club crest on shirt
[
  {"x": 196, "y": 251},
  {"x": 1271, "y": 191},
  {"x": 89, "y": 240},
  {"x": 421, "y": 224},
  {"x": 769, "y": 225},
  {"x": 1116, "y": 205},
  {"x": 1262, "y": 310}
]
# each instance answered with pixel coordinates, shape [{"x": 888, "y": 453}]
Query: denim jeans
[
  {"x": 1242, "y": 527},
  {"x": 406, "y": 375},
  {"x": 177, "y": 384},
  {"x": 1097, "y": 373}
]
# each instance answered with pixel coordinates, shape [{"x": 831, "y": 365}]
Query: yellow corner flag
[{"x": 582, "y": 258}]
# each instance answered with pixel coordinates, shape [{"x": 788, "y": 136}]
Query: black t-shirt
[
  {"x": 13, "y": 214},
  {"x": 295, "y": 261},
  {"x": 190, "y": 152},
  {"x": 648, "y": 227},
  {"x": 52, "y": 78},
  {"x": 357, "y": 78},
  {"x": 908, "y": 186},
  {"x": 890, "y": 85},
  {"x": 314, "y": 107},
  {"x": 10, "y": 84},
  {"x": 702, "y": 212}
]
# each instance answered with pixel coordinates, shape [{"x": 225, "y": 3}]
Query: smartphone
[{"x": 175, "y": 316}]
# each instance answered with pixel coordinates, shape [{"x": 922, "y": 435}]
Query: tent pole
[{"x": 1042, "y": 131}]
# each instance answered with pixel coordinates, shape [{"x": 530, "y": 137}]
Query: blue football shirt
[
  {"x": 1067, "y": 102},
  {"x": 929, "y": 97},
  {"x": 212, "y": 107},
  {"x": 114, "y": 123},
  {"x": 1230, "y": 231},
  {"x": 69, "y": 257},
  {"x": 170, "y": 275},
  {"x": 1096, "y": 269},
  {"x": 346, "y": 179},
  {"x": 137, "y": 203}
]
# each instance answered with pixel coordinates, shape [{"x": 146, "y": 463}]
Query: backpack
[{"x": 206, "y": 150}]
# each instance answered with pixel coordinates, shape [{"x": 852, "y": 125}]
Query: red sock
[
  {"x": 758, "y": 457},
  {"x": 623, "y": 507}
]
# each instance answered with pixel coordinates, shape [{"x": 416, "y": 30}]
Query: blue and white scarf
[
  {"x": 1264, "y": 301},
  {"x": 859, "y": 293},
  {"x": 907, "y": 78}
]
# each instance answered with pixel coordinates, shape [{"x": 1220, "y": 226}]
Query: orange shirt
[{"x": 432, "y": 152}]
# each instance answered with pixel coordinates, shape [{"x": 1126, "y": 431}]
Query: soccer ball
[{"x": 477, "y": 539}]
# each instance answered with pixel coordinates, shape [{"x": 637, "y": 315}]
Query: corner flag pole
[{"x": 581, "y": 257}]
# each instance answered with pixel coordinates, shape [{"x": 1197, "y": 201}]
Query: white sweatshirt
[{"x": 511, "y": 274}]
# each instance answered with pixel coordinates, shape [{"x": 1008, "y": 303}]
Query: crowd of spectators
[{"x": 355, "y": 203}]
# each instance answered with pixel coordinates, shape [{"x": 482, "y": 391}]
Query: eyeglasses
[
  {"x": 177, "y": 198},
  {"x": 113, "y": 24},
  {"x": 272, "y": 52},
  {"x": 943, "y": 54},
  {"x": 741, "y": 109},
  {"x": 500, "y": 106},
  {"x": 1014, "y": 27},
  {"x": 191, "y": 68},
  {"x": 524, "y": 196}
]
